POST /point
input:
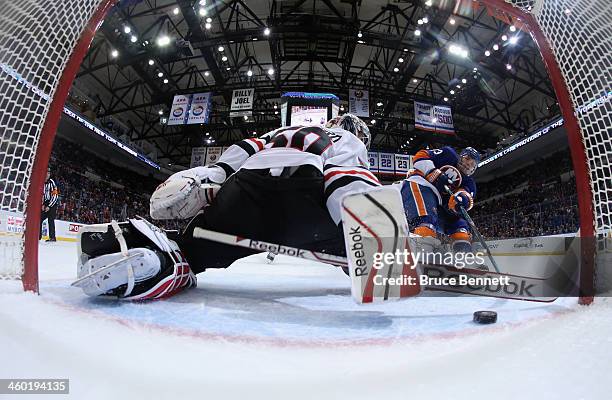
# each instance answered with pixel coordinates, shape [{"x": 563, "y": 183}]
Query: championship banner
[
  {"x": 386, "y": 163},
  {"x": 179, "y": 110},
  {"x": 432, "y": 118},
  {"x": 199, "y": 110},
  {"x": 242, "y": 102},
  {"x": 213, "y": 154},
  {"x": 359, "y": 102},
  {"x": 403, "y": 162},
  {"x": 198, "y": 157},
  {"x": 373, "y": 159}
]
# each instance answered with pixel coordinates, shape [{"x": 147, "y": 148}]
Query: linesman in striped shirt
[{"x": 49, "y": 207}]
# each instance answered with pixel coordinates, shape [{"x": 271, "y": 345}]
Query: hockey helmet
[
  {"x": 353, "y": 124},
  {"x": 468, "y": 161}
]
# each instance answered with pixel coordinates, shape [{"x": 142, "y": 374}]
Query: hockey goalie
[{"x": 284, "y": 187}]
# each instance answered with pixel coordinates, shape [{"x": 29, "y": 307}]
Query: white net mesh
[
  {"x": 580, "y": 35},
  {"x": 36, "y": 42}
]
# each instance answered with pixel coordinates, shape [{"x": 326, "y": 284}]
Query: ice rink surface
[{"x": 290, "y": 330}]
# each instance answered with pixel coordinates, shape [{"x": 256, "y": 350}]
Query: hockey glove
[
  {"x": 440, "y": 180},
  {"x": 460, "y": 199},
  {"x": 185, "y": 193}
]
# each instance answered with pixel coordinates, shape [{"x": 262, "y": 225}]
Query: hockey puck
[{"x": 485, "y": 317}]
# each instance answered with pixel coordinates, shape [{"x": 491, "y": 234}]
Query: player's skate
[{"x": 132, "y": 260}]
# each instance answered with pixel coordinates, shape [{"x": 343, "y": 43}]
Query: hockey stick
[
  {"x": 273, "y": 248},
  {"x": 519, "y": 288},
  {"x": 470, "y": 222}
]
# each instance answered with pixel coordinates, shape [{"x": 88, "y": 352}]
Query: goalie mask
[
  {"x": 353, "y": 124},
  {"x": 468, "y": 161}
]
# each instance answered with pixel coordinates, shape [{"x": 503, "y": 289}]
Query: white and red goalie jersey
[{"x": 340, "y": 156}]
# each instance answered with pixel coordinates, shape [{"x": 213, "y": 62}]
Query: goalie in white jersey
[{"x": 284, "y": 187}]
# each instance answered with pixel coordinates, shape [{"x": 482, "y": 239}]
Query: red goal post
[{"x": 42, "y": 46}]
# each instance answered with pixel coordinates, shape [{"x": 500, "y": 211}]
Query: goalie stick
[{"x": 519, "y": 287}]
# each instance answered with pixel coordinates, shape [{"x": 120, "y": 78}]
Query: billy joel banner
[
  {"x": 190, "y": 109},
  {"x": 432, "y": 118},
  {"x": 359, "y": 102},
  {"x": 242, "y": 102}
]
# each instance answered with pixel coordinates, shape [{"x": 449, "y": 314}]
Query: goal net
[{"x": 43, "y": 43}]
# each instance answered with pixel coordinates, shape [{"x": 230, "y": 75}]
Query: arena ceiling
[{"x": 401, "y": 51}]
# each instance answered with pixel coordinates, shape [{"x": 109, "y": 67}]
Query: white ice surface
[{"x": 291, "y": 331}]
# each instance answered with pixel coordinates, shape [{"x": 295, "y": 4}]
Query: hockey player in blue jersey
[{"x": 429, "y": 206}]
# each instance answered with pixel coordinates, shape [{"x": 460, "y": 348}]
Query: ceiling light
[
  {"x": 463, "y": 80},
  {"x": 270, "y": 71},
  {"x": 417, "y": 32},
  {"x": 415, "y": 80},
  {"x": 246, "y": 117},
  {"x": 203, "y": 11},
  {"x": 175, "y": 11},
  {"x": 514, "y": 40},
  {"x": 267, "y": 31},
  {"x": 360, "y": 42},
  {"x": 165, "y": 80},
  {"x": 512, "y": 28},
  {"x": 475, "y": 69},
  {"x": 373, "y": 121},
  {"x": 220, "y": 48},
  {"x": 254, "y": 39},
  {"x": 133, "y": 39},
  {"x": 452, "y": 92},
  {"x": 401, "y": 60},
  {"x": 458, "y": 50},
  {"x": 160, "y": 74},
  {"x": 452, "y": 21},
  {"x": 359, "y": 34},
  {"x": 127, "y": 29},
  {"x": 425, "y": 20},
  {"x": 420, "y": 22},
  {"x": 504, "y": 38},
  {"x": 458, "y": 86},
  {"x": 227, "y": 69},
  {"x": 508, "y": 67},
  {"x": 495, "y": 47},
  {"x": 206, "y": 73},
  {"x": 428, "y": 3},
  {"x": 163, "y": 40},
  {"x": 395, "y": 69},
  {"x": 224, "y": 58},
  {"x": 487, "y": 53},
  {"x": 114, "y": 53},
  {"x": 160, "y": 112},
  {"x": 151, "y": 62},
  {"x": 379, "y": 104},
  {"x": 208, "y": 25},
  {"x": 209, "y": 20},
  {"x": 249, "y": 73},
  {"x": 446, "y": 99}
]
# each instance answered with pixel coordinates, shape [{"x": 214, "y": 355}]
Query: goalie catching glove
[
  {"x": 459, "y": 199},
  {"x": 185, "y": 193}
]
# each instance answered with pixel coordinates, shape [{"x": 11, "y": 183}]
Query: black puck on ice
[{"x": 485, "y": 317}]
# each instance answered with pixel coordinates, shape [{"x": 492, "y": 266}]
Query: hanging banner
[
  {"x": 213, "y": 154},
  {"x": 198, "y": 157},
  {"x": 386, "y": 163},
  {"x": 432, "y": 118},
  {"x": 242, "y": 102},
  {"x": 179, "y": 110},
  {"x": 199, "y": 110},
  {"x": 359, "y": 102},
  {"x": 373, "y": 158},
  {"x": 403, "y": 162}
]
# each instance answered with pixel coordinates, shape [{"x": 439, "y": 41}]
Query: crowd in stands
[
  {"x": 539, "y": 199},
  {"x": 95, "y": 191}
]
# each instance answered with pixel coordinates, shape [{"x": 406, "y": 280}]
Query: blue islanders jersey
[{"x": 426, "y": 161}]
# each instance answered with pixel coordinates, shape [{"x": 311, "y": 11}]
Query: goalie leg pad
[
  {"x": 101, "y": 275},
  {"x": 117, "y": 246}
]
